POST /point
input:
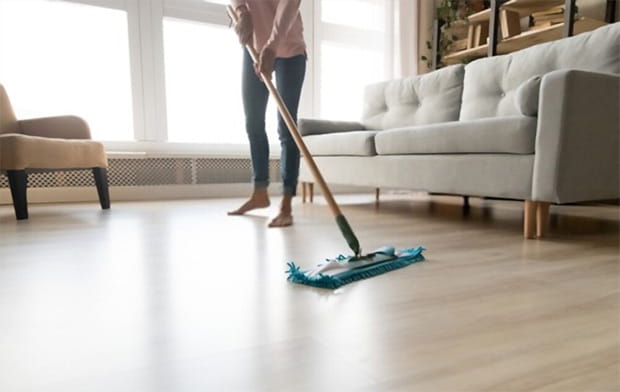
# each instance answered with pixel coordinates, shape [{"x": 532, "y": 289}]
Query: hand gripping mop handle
[{"x": 344, "y": 226}]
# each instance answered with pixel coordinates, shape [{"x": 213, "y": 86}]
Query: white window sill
[{"x": 146, "y": 149}]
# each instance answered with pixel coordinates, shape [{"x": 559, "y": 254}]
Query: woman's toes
[{"x": 281, "y": 221}]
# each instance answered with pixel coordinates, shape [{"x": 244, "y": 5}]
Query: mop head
[{"x": 342, "y": 270}]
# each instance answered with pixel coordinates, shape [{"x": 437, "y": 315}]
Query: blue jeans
[{"x": 289, "y": 75}]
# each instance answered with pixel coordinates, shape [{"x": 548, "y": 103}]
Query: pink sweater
[{"x": 277, "y": 24}]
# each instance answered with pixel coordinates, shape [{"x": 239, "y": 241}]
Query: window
[
  {"x": 169, "y": 70},
  {"x": 345, "y": 71},
  {"x": 352, "y": 53},
  {"x": 203, "y": 82},
  {"x": 368, "y": 13},
  {"x": 67, "y": 58}
]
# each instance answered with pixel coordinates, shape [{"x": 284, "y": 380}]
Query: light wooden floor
[{"x": 177, "y": 296}]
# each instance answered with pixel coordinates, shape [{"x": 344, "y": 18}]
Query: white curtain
[
  {"x": 413, "y": 26},
  {"x": 406, "y": 52}
]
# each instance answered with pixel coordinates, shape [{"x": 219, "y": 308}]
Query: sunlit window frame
[
  {"x": 146, "y": 43},
  {"x": 146, "y": 52}
]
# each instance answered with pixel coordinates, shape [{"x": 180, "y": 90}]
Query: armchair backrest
[{"x": 8, "y": 122}]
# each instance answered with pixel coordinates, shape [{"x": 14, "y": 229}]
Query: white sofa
[{"x": 539, "y": 125}]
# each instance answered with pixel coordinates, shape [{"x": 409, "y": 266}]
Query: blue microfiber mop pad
[{"x": 342, "y": 270}]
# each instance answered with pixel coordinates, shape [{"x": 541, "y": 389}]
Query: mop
[{"x": 342, "y": 269}]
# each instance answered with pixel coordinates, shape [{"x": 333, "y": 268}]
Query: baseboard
[
  {"x": 131, "y": 193},
  {"x": 156, "y": 192}
]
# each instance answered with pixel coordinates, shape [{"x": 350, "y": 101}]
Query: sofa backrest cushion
[
  {"x": 425, "y": 99},
  {"x": 527, "y": 96},
  {"x": 490, "y": 84}
]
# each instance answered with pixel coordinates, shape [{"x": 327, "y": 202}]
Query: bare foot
[
  {"x": 285, "y": 217},
  {"x": 282, "y": 220},
  {"x": 257, "y": 200}
]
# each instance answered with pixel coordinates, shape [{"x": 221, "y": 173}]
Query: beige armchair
[{"x": 47, "y": 144}]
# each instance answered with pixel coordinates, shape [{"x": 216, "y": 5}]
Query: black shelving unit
[{"x": 569, "y": 23}]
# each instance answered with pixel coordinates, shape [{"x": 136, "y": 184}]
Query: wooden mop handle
[{"x": 292, "y": 127}]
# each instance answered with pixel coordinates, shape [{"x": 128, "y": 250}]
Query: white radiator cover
[
  {"x": 140, "y": 177},
  {"x": 152, "y": 171},
  {"x": 153, "y": 176}
]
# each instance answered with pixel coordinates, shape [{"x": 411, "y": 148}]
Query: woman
[{"x": 274, "y": 28}]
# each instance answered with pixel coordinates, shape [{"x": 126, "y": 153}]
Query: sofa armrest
[
  {"x": 578, "y": 138},
  {"x": 60, "y": 127},
  {"x": 317, "y": 127}
]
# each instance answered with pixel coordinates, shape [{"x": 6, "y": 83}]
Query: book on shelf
[
  {"x": 550, "y": 11},
  {"x": 547, "y": 23},
  {"x": 543, "y": 25},
  {"x": 548, "y": 17}
]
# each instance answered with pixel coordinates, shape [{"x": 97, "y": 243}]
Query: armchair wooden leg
[
  {"x": 542, "y": 219},
  {"x": 377, "y": 195},
  {"x": 529, "y": 219},
  {"x": 101, "y": 180},
  {"x": 18, "y": 182},
  {"x": 311, "y": 191}
]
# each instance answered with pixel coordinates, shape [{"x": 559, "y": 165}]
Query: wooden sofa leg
[
  {"x": 466, "y": 206},
  {"x": 377, "y": 195},
  {"x": 303, "y": 192},
  {"x": 542, "y": 219},
  {"x": 529, "y": 219},
  {"x": 101, "y": 180},
  {"x": 18, "y": 182},
  {"x": 311, "y": 191}
]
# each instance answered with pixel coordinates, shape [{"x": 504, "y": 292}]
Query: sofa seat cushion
[
  {"x": 19, "y": 152},
  {"x": 355, "y": 143},
  {"x": 509, "y": 135}
]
